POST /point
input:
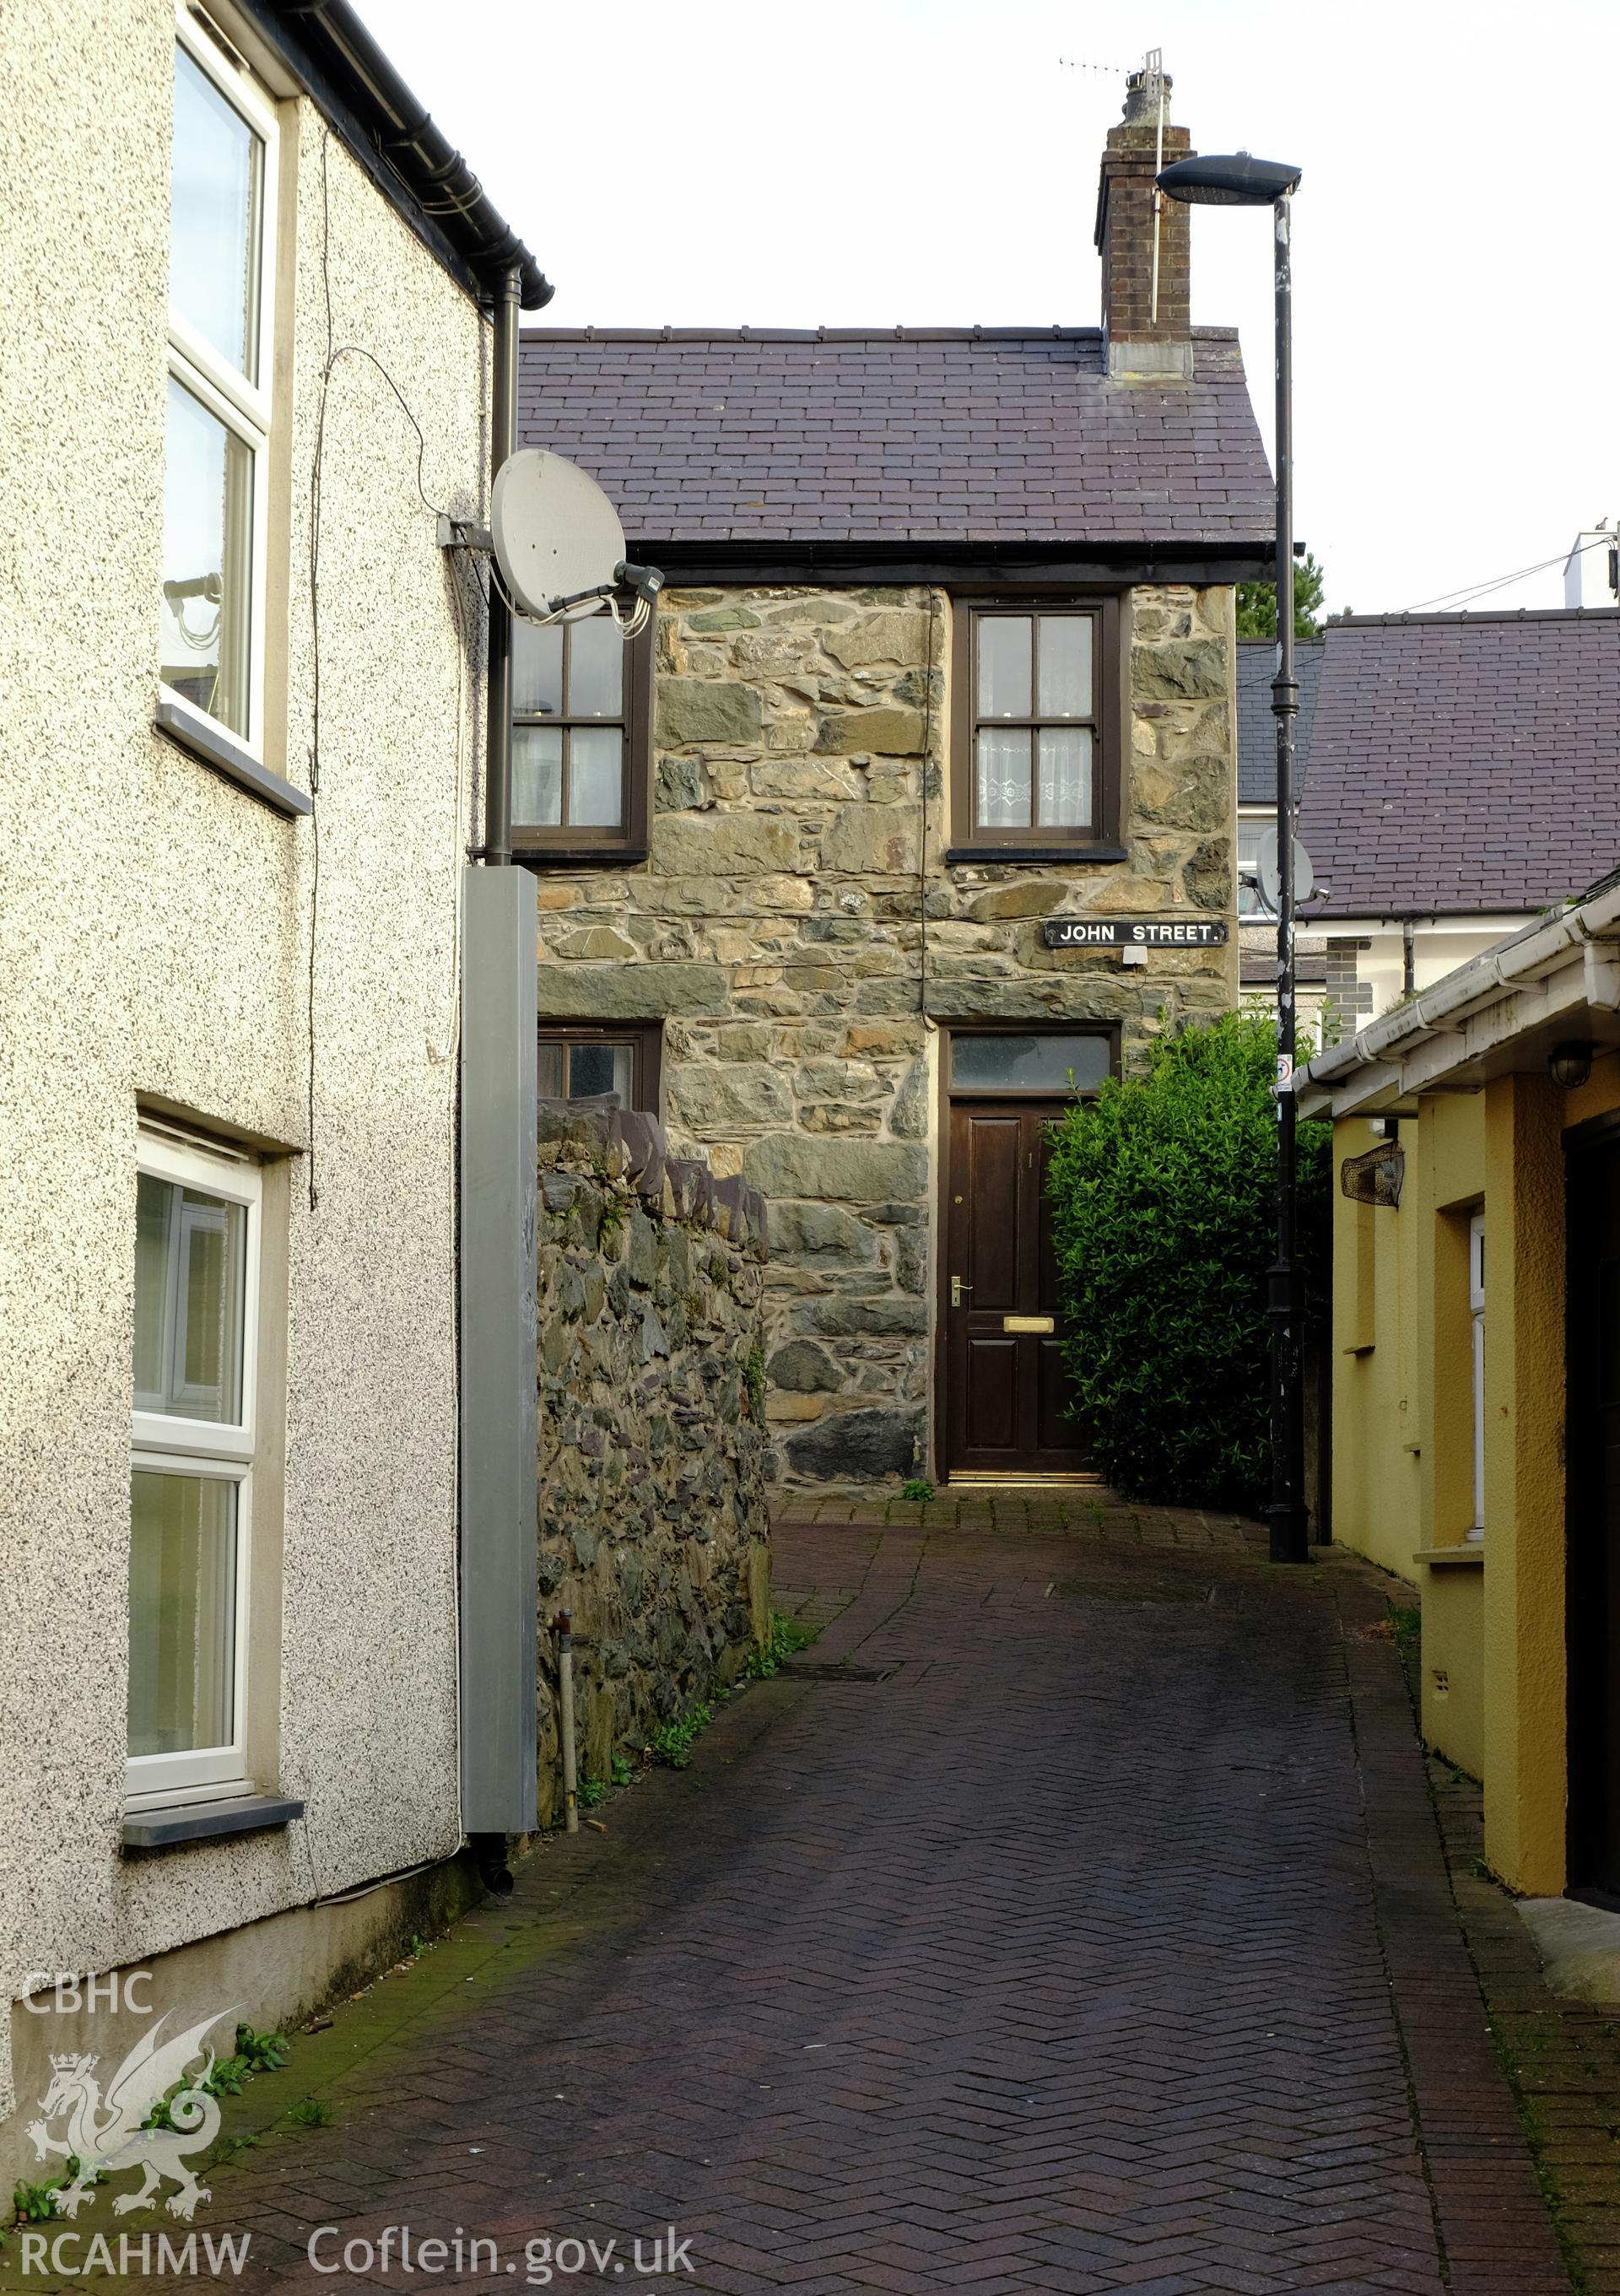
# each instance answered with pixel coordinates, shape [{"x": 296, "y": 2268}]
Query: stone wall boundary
[{"x": 651, "y": 1522}]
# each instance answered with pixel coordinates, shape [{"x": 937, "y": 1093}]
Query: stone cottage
[{"x": 914, "y": 814}]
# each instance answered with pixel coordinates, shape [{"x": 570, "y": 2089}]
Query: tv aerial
[{"x": 560, "y": 546}]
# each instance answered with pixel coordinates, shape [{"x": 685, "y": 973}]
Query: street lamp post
[{"x": 1241, "y": 181}]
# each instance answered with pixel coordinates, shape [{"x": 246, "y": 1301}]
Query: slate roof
[
  {"x": 1463, "y": 762},
  {"x": 918, "y": 434},
  {"x": 1258, "y": 728}
]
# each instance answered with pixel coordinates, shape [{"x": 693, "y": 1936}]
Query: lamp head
[
  {"x": 1234, "y": 180},
  {"x": 1569, "y": 1065}
]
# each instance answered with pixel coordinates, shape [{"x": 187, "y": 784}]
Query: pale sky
[{"x": 932, "y": 161}]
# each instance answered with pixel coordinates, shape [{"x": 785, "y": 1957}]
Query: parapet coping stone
[{"x": 629, "y": 1145}]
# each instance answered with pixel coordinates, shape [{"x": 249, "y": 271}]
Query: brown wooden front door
[
  {"x": 1005, "y": 1384},
  {"x": 1593, "y": 1448}
]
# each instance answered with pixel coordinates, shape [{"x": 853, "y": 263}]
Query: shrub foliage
[{"x": 1161, "y": 1191}]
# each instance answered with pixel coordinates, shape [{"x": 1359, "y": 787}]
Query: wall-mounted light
[{"x": 1569, "y": 1065}]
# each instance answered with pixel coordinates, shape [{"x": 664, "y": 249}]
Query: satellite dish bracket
[{"x": 463, "y": 534}]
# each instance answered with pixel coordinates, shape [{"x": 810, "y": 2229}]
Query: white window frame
[
  {"x": 165, "y": 1444},
  {"x": 1477, "y": 1302},
  {"x": 1259, "y": 818},
  {"x": 244, "y": 407}
]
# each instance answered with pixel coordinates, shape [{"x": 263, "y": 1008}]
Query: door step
[{"x": 975, "y": 1482}]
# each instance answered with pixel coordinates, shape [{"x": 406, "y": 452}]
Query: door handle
[{"x": 957, "y": 1288}]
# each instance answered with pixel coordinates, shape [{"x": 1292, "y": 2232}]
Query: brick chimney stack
[{"x": 1144, "y": 342}]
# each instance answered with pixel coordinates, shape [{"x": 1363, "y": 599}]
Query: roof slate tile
[
  {"x": 922, "y": 434},
  {"x": 1459, "y": 762}
]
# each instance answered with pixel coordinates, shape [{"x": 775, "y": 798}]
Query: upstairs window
[
  {"x": 221, "y": 243},
  {"x": 579, "y": 758},
  {"x": 1037, "y": 724}
]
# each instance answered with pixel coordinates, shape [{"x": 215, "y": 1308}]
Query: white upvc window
[
  {"x": 1252, "y": 826},
  {"x": 1476, "y": 1246},
  {"x": 221, "y": 285},
  {"x": 196, "y": 1301}
]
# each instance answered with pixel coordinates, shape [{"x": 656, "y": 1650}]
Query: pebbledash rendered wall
[
  {"x": 797, "y": 930},
  {"x": 157, "y": 950}
]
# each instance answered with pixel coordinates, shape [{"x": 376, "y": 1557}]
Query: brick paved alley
[{"x": 1090, "y": 1932}]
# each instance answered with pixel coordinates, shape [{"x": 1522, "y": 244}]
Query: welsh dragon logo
[{"x": 105, "y": 2132}]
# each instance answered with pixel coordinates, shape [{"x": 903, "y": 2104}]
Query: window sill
[
  {"x": 178, "y": 1821},
  {"x": 1047, "y": 853},
  {"x": 1442, "y": 1558},
  {"x": 216, "y": 747},
  {"x": 578, "y": 857}
]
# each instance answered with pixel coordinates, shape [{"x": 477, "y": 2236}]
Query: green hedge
[{"x": 1161, "y": 1191}]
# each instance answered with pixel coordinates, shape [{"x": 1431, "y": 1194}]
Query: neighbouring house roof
[
  {"x": 1256, "y": 727},
  {"x": 905, "y": 436},
  {"x": 1463, "y": 763},
  {"x": 1503, "y": 1013}
]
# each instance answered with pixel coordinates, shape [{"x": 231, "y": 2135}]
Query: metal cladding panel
[{"x": 499, "y": 1593}]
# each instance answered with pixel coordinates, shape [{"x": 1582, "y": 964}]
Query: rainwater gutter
[
  {"x": 405, "y": 135},
  {"x": 1515, "y": 964}
]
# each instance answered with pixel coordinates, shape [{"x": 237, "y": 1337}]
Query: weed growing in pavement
[
  {"x": 1407, "y": 1621},
  {"x": 311, "y": 2112},
  {"x": 917, "y": 1488},
  {"x": 254, "y": 2053},
  {"x": 787, "y": 1636},
  {"x": 672, "y": 1744},
  {"x": 36, "y": 2204},
  {"x": 621, "y": 1772},
  {"x": 262, "y": 2053}
]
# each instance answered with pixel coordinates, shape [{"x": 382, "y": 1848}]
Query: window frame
[
  {"x": 646, "y": 1038},
  {"x": 163, "y": 1443},
  {"x": 245, "y": 408},
  {"x": 1110, "y": 670},
  {"x": 538, "y": 841},
  {"x": 1259, "y": 818},
  {"x": 1106, "y": 1032}
]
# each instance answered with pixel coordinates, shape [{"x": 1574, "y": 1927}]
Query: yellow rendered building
[{"x": 1476, "y": 1369}]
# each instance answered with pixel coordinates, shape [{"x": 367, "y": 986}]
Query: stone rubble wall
[
  {"x": 799, "y": 931},
  {"x": 653, "y": 1531}
]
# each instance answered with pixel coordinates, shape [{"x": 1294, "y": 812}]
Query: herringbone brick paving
[{"x": 1105, "y": 1944}]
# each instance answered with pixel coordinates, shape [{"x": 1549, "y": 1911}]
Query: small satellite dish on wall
[
  {"x": 1265, "y": 871},
  {"x": 556, "y": 534}
]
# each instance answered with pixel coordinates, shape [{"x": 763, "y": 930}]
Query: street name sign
[{"x": 1132, "y": 932}]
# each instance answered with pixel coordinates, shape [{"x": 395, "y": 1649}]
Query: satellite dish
[
  {"x": 556, "y": 533},
  {"x": 1265, "y": 871}
]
